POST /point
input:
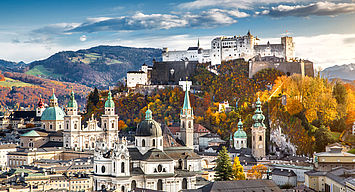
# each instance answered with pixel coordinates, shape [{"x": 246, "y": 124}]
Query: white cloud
[
  {"x": 323, "y": 50},
  {"x": 83, "y": 38},
  {"x": 242, "y": 4},
  {"x": 318, "y": 8}
]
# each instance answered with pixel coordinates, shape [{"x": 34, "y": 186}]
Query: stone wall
[{"x": 171, "y": 72}]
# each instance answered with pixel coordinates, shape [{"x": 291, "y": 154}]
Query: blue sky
[{"x": 324, "y": 31}]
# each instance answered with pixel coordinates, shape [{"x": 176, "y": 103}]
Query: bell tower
[
  {"x": 72, "y": 124},
  {"x": 187, "y": 122},
  {"x": 109, "y": 121},
  {"x": 258, "y": 132}
]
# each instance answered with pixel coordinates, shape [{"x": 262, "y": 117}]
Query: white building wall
[{"x": 134, "y": 79}]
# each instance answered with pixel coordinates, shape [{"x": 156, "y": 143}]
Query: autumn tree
[
  {"x": 224, "y": 171},
  {"x": 238, "y": 171},
  {"x": 323, "y": 138},
  {"x": 257, "y": 171}
]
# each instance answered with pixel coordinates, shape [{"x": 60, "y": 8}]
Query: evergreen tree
[
  {"x": 223, "y": 169},
  {"x": 323, "y": 138},
  {"x": 238, "y": 171}
]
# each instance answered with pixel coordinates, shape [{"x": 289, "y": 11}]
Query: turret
[{"x": 40, "y": 107}]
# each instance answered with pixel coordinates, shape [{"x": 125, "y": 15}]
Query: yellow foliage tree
[
  {"x": 257, "y": 171},
  {"x": 238, "y": 171}
]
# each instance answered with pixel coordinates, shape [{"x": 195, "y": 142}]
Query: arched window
[
  {"x": 180, "y": 164},
  {"x": 153, "y": 142},
  {"x": 122, "y": 188},
  {"x": 105, "y": 125},
  {"x": 160, "y": 168},
  {"x": 75, "y": 126},
  {"x": 113, "y": 125},
  {"x": 260, "y": 138},
  {"x": 184, "y": 183},
  {"x": 103, "y": 169},
  {"x": 160, "y": 185},
  {"x": 114, "y": 166},
  {"x": 189, "y": 124},
  {"x": 50, "y": 126},
  {"x": 183, "y": 124},
  {"x": 67, "y": 126},
  {"x": 122, "y": 167},
  {"x": 143, "y": 143},
  {"x": 133, "y": 184}
]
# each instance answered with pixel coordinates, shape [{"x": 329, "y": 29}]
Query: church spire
[
  {"x": 258, "y": 117},
  {"x": 186, "y": 106},
  {"x": 148, "y": 114},
  {"x": 72, "y": 102},
  {"x": 53, "y": 102}
]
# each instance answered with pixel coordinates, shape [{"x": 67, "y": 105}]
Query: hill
[
  {"x": 100, "y": 66},
  {"x": 345, "y": 72},
  {"x": 22, "y": 90},
  {"x": 12, "y": 66}
]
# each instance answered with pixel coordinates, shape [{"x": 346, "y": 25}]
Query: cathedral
[
  {"x": 64, "y": 129},
  {"x": 149, "y": 164}
]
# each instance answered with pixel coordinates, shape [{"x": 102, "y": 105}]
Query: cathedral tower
[
  {"x": 187, "y": 122},
  {"x": 109, "y": 121},
  {"x": 72, "y": 124},
  {"x": 258, "y": 132}
]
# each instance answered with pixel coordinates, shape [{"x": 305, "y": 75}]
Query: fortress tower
[{"x": 289, "y": 48}]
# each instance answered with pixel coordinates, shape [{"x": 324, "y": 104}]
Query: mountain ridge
[
  {"x": 345, "y": 72},
  {"x": 99, "y": 66}
]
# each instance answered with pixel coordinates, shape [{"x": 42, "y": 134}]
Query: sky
[{"x": 323, "y": 31}]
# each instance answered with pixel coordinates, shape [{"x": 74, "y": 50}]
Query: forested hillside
[
  {"x": 100, "y": 66},
  {"x": 21, "y": 90}
]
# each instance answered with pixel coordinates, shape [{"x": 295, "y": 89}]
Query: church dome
[
  {"x": 109, "y": 103},
  {"x": 240, "y": 133},
  {"x": 149, "y": 127},
  {"x": 53, "y": 113}
]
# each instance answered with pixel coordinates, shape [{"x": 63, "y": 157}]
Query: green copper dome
[
  {"x": 72, "y": 102},
  {"x": 258, "y": 117},
  {"x": 240, "y": 133},
  {"x": 109, "y": 103},
  {"x": 53, "y": 113}
]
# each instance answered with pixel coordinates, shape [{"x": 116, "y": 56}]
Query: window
[
  {"x": 67, "y": 126},
  {"x": 143, "y": 143},
  {"x": 122, "y": 188},
  {"x": 189, "y": 124},
  {"x": 75, "y": 126},
  {"x": 153, "y": 142},
  {"x": 114, "y": 166},
  {"x": 105, "y": 125},
  {"x": 184, "y": 183},
  {"x": 113, "y": 125},
  {"x": 260, "y": 138},
  {"x": 122, "y": 167},
  {"x": 161, "y": 142},
  {"x": 160, "y": 185},
  {"x": 50, "y": 126},
  {"x": 103, "y": 169},
  {"x": 160, "y": 168},
  {"x": 133, "y": 184}
]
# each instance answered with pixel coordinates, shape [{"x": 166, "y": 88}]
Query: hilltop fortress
[
  {"x": 260, "y": 56},
  {"x": 177, "y": 65}
]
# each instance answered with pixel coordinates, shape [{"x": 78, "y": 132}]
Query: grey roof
[
  {"x": 240, "y": 186},
  {"x": 181, "y": 153},
  {"x": 52, "y": 144},
  {"x": 192, "y": 48},
  {"x": 135, "y": 154},
  {"x": 286, "y": 173},
  {"x": 149, "y": 128},
  {"x": 156, "y": 155}
]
